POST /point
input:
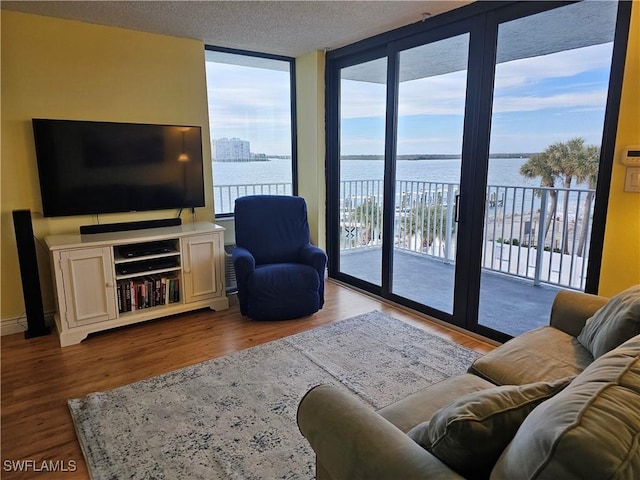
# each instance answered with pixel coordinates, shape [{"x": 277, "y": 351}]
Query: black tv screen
[{"x": 87, "y": 168}]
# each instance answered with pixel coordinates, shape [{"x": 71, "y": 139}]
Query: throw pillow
[
  {"x": 616, "y": 322},
  {"x": 471, "y": 432}
]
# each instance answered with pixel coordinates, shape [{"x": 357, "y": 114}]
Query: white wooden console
[{"x": 108, "y": 280}]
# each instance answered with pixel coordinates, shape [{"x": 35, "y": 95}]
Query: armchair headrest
[{"x": 272, "y": 227}]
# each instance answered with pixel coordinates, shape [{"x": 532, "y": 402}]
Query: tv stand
[
  {"x": 100, "y": 285},
  {"x": 128, "y": 226}
]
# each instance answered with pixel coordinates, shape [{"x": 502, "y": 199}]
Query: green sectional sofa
[{"x": 559, "y": 402}]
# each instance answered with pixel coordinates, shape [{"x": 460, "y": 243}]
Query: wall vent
[{"x": 229, "y": 271}]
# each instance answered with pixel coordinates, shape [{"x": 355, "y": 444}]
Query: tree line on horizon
[{"x": 432, "y": 156}]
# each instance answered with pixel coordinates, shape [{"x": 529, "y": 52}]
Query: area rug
[{"x": 235, "y": 416}]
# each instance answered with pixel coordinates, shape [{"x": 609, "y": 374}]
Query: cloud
[
  {"x": 362, "y": 99},
  {"x": 441, "y": 95},
  {"x": 565, "y": 64},
  {"x": 569, "y": 101},
  {"x": 520, "y": 85},
  {"x": 250, "y": 103}
]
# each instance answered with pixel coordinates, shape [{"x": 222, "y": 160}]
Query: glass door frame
[
  {"x": 472, "y": 27},
  {"x": 332, "y": 171},
  {"x": 464, "y": 265},
  {"x": 494, "y": 18},
  {"x": 481, "y": 20}
]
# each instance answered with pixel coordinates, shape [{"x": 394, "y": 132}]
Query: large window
[{"x": 252, "y": 122}]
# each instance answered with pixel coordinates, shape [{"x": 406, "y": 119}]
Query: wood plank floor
[{"x": 38, "y": 376}]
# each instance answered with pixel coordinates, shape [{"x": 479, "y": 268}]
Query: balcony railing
[
  {"x": 224, "y": 196},
  {"x": 536, "y": 233}
]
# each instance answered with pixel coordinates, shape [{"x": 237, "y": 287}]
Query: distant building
[{"x": 231, "y": 150}]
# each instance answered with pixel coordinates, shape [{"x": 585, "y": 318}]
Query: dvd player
[
  {"x": 143, "y": 249},
  {"x": 146, "y": 266}
]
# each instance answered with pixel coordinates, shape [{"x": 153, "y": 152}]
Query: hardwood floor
[{"x": 38, "y": 376}]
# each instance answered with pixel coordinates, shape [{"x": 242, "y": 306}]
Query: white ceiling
[{"x": 290, "y": 28}]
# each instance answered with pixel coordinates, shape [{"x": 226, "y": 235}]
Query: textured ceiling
[{"x": 289, "y": 28}]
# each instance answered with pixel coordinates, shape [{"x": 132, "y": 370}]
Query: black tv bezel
[{"x": 45, "y": 189}]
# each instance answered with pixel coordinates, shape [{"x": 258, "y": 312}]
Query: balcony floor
[{"x": 507, "y": 303}]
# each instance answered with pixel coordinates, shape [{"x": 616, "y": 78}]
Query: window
[{"x": 252, "y": 124}]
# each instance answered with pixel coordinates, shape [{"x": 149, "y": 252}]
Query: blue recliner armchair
[{"x": 280, "y": 275}]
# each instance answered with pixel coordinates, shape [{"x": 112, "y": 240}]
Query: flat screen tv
[{"x": 88, "y": 168}]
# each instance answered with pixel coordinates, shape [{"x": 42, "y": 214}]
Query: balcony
[{"x": 532, "y": 237}]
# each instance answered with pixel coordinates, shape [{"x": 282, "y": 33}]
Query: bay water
[{"x": 502, "y": 171}]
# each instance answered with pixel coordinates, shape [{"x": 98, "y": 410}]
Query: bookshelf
[{"x": 109, "y": 280}]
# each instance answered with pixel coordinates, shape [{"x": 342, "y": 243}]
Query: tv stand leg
[{"x": 71, "y": 338}]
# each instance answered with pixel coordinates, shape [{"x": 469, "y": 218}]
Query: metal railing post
[
  {"x": 541, "y": 235},
  {"x": 449, "y": 225}
]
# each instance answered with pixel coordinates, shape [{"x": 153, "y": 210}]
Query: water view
[
  {"x": 504, "y": 171},
  {"x": 520, "y": 215}
]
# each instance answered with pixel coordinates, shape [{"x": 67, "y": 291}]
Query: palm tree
[
  {"x": 369, "y": 215},
  {"x": 429, "y": 221},
  {"x": 563, "y": 161},
  {"x": 539, "y": 165},
  {"x": 587, "y": 171}
]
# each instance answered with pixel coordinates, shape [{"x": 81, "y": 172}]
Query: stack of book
[{"x": 146, "y": 292}]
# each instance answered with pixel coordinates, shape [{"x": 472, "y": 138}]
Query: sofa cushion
[
  {"x": 616, "y": 322},
  {"x": 470, "y": 433},
  {"x": 542, "y": 355},
  {"x": 420, "y": 406},
  {"x": 589, "y": 430}
]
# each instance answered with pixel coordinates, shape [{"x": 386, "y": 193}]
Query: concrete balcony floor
[{"x": 508, "y": 304}]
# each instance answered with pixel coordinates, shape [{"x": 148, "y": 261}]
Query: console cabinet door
[
  {"x": 89, "y": 287},
  {"x": 202, "y": 267}
]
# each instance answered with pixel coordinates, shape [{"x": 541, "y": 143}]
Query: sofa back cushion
[
  {"x": 470, "y": 433},
  {"x": 616, "y": 322},
  {"x": 545, "y": 354},
  {"x": 589, "y": 430}
]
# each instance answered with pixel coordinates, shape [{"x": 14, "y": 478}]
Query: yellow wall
[
  {"x": 53, "y": 68},
  {"x": 621, "y": 255},
  {"x": 311, "y": 141}
]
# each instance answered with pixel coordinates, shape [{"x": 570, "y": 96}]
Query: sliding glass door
[
  {"x": 361, "y": 169},
  {"x": 432, "y": 88},
  {"x": 465, "y": 161},
  {"x": 549, "y": 101},
  {"x": 395, "y": 184}
]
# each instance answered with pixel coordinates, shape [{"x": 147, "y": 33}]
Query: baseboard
[{"x": 10, "y": 326}]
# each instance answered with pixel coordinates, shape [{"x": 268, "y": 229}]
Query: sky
[
  {"x": 537, "y": 101},
  {"x": 252, "y": 104}
]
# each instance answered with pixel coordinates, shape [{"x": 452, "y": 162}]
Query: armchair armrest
[
  {"x": 353, "y": 442},
  {"x": 570, "y": 310},
  {"x": 316, "y": 258},
  {"x": 244, "y": 265},
  {"x": 243, "y": 262}
]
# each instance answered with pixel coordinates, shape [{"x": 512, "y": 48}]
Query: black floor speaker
[{"x": 29, "y": 274}]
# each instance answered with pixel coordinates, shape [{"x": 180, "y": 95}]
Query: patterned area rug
[{"x": 235, "y": 416}]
